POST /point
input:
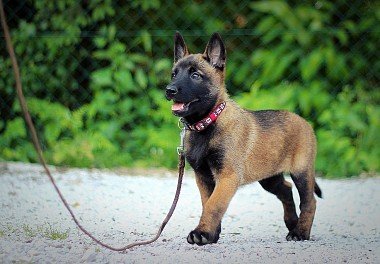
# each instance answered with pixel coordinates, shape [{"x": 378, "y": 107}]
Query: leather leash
[{"x": 37, "y": 146}]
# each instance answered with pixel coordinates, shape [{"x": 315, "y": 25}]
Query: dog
[{"x": 228, "y": 146}]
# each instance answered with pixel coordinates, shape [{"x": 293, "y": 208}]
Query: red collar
[{"x": 208, "y": 120}]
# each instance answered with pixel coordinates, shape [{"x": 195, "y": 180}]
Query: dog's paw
[
  {"x": 201, "y": 238},
  {"x": 297, "y": 235},
  {"x": 291, "y": 223}
]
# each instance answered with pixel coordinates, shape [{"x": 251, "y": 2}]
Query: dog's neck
[{"x": 196, "y": 118}]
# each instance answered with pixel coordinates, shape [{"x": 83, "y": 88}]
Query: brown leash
[{"x": 37, "y": 146}]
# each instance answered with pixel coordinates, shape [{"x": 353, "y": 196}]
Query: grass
[
  {"x": 29, "y": 232},
  {"x": 47, "y": 231},
  {"x": 54, "y": 234}
]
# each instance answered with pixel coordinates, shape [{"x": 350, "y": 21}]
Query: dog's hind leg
[
  {"x": 305, "y": 184},
  {"x": 283, "y": 190}
]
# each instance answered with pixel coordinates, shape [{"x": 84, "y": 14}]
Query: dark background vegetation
[{"x": 94, "y": 74}]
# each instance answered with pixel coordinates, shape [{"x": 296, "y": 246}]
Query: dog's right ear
[{"x": 180, "y": 48}]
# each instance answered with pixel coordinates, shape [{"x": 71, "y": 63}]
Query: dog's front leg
[
  {"x": 213, "y": 210},
  {"x": 206, "y": 186}
]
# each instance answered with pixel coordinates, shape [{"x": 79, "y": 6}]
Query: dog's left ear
[{"x": 215, "y": 52}]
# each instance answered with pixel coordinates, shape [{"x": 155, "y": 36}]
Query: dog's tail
[{"x": 317, "y": 190}]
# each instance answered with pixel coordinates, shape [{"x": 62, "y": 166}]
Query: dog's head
[{"x": 197, "y": 79}]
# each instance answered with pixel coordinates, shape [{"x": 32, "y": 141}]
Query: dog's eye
[
  {"x": 195, "y": 76},
  {"x": 173, "y": 75}
]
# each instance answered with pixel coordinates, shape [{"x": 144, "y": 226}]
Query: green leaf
[
  {"x": 283, "y": 64},
  {"x": 162, "y": 65},
  {"x": 146, "y": 40},
  {"x": 342, "y": 36},
  {"x": 265, "y": 24},
  {"x": 102, "y": 77},
  {"x": 311, "y": 64},
  {"x": 124, "y": 81},
  {"x": 15, "y": 129},
  {"x": 242, "y": 73},
  {"x": 141, "y": 78}
]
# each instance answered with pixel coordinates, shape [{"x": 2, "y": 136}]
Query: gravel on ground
[{"x": 119, "y": 209}]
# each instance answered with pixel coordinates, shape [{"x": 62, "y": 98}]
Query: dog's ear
[
  {"x": 180, "y": 48},
  {"x": 215, "y": 52}
]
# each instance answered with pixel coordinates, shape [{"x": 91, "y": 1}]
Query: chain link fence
[{"x": 94, "y": 72}]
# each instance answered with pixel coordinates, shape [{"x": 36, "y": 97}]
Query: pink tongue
[{"x": 178, "y": 106}]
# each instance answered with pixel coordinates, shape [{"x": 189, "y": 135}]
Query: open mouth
[{"x": 179, "y": 107}]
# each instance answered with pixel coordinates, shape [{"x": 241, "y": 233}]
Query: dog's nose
[{"x": 171, "y": 91}]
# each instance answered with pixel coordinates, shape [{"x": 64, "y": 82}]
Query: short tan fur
[{"x": 243, "y": 146}]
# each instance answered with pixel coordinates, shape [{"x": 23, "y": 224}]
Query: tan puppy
[{"x": 228, "y": 146}]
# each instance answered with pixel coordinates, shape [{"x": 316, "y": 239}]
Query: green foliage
[
  {"x": 325, "y": 72},
  {"x": 94, "y": 72}
]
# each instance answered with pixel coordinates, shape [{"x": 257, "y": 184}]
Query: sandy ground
[{"x": 120, "y": 209}]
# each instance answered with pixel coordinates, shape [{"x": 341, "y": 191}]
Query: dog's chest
[{"x": 200, "y": 152}]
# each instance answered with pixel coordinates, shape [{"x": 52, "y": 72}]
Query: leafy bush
[
  {"x": 324, "y": 69},
  {"x": 94, "y": 72}
]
